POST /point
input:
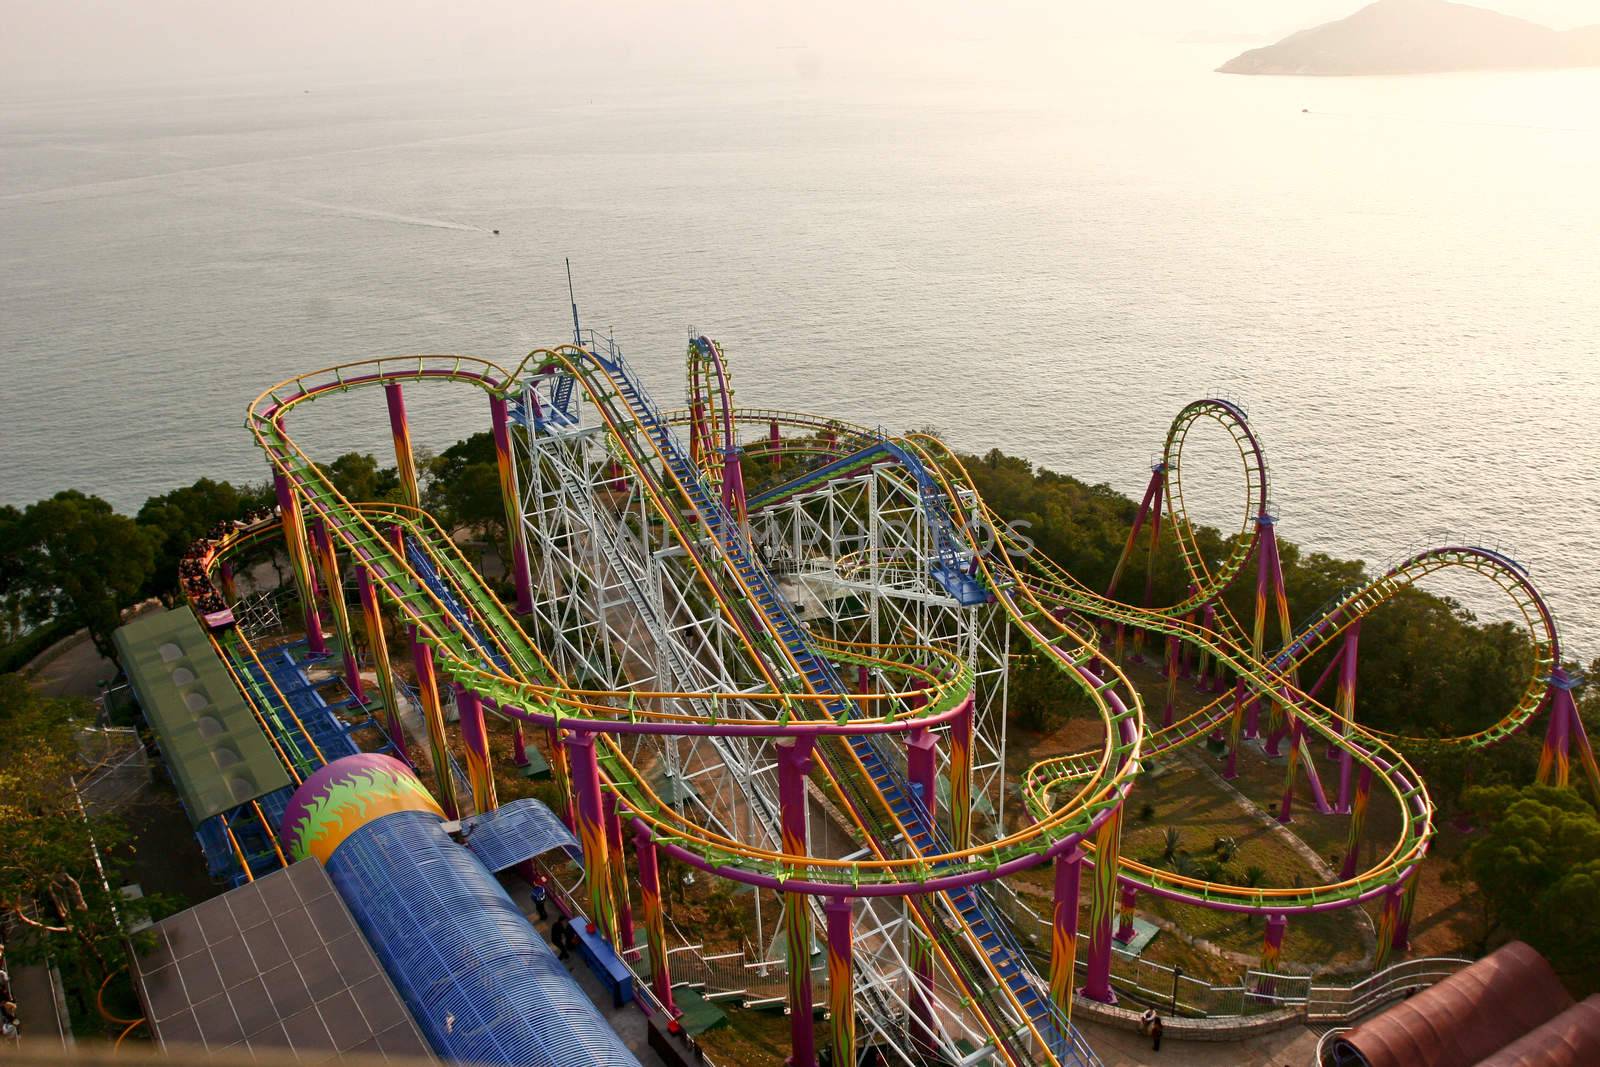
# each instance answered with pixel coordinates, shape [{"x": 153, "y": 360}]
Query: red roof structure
[{"x": 1506, "y": 1010}]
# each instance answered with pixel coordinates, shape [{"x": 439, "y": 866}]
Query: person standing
[
  {"x": 558, "y": 935},
  {"x": 1155, "y": 1034},
  {"x": 539, "y": 894}
]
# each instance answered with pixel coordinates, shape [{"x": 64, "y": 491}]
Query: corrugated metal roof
[
  {"x": 1466, "y": 1018},
  {"x": 518, "y": 831},
  {"x": 217, "y": 752},
  {"x": 1571, "y": 1039},
  {"x": 484, "y": 987}
]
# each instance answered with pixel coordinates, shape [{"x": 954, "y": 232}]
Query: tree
[
  {"x": 184, "y": 515},
  {"x": 464, "y": 487},
  {"x": 20, "y": 603},
  {"x": 1537, "y": 866},
  {"x": 55, "y": 896},
  {"x": 359, "y": 478},
  {"x": 85, "y": 561}
]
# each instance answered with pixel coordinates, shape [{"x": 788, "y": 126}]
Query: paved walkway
[{"x": 1290, "y": 1047}]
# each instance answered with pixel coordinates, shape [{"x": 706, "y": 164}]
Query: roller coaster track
[
  {"x": 466, "y": 658},
  {"x": 481, "y": 646}
]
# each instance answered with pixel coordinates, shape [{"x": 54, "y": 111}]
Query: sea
[{"x": 1399, "y": 278}]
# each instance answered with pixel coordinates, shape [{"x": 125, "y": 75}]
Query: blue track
[{"x": 976, "y": 908}]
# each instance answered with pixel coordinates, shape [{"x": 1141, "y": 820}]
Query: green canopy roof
[{"x": 217, "y": 752}]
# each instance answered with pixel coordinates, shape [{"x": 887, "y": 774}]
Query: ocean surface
[{"x": 1399, "y": 277}]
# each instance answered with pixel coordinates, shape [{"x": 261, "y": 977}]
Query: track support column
[
  {"x": 655, "y": 927},
  {"x": 475, "y": 739},
  {"x": 961, "y": 777},
  {"x": 405, "y": 461},
  {"x": 380, "y": 661},
  {"x": 1388, "y": 923},
  {"x": 333, "y": 582},
  {"x": 794, "y": 767},
  {"x": 619, "y": 876},
  {"x": 1272, "y": 952},
  {"x": 1408, "y": 904},
  {"x": 841, "y": 980},
  {"x": 1127, "y": 902},
  {"x": 1230, "y": 769},
  {"x": 1291, "y": 767},
  {"x": 1345, "y": 708},
  {"x": 513, "y": 504},
  {"x": 592, "y": 832},
  {"x": 433, "y": 718},
  {"x": 1064, "y": 928},
  {"x": 1555, "y": 762},
  {"x": 294, "y": 536},
  {"x": 561, "y": 772},
  {"x": 1358, "y": 821},
  {"x": 1102, "y": 908},
  {"x": 1173, "y": 665},
  {"x": 922, "y": 760}
]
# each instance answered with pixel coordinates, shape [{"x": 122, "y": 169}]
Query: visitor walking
[
  {"x": 1155, "y": 1034},
  {"x": 559, "y": 932},
  {"x": 1146, "y": 1021}
]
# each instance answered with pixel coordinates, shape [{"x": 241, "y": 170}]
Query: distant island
[{"x": 1421, "y": 37}]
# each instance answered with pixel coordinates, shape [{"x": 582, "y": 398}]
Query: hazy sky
[{"x": 145, "y": 42}]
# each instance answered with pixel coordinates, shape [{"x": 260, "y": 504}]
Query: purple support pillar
[
  {"x": 655, "y": 930},
  {"x": 777, "y": 443},
  {"x": 404, "y": 459},
  {"x": 380, "y": 661},
  {"x": 1555, "y": 760},
  {"x": 329, "y": 561},
  {"x": 1345, "y": 706},
  {"x": 1286, "y": 808},
  {"x": 1102, "y": 909},
  {"x": 794, "y": 765},
  {"x": 1064, "y": 928},
  {"x": 1358, "y": 820},
  {"x": 1272, "y": 952},
  {"x": 1130, "y": 899},
  {"x": 585, "y": 769},
  {"x": 513, "y": 505},
  {"x": 841, "y": 980},
  {"x": 1230, "y": 769},
  {"x": 619, "y": 877},
  {"x": 433, "y": 719},
  {"x": 294, "y": 536},
  {"x": 475, "y": 740},
  {"x": 228, "y": 592},
  {"x": 922, "y": 759}
]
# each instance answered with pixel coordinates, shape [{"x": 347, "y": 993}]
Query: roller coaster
[{"x": 802, "y": 688}]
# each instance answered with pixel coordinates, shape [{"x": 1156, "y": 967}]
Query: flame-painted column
[
  {"x": 561, "y": 772},
  {"x": 1230, "y": 769},
  {"x": 513, "y": 504},
  {"x": 922, "y": 760},
  {"x": 1388, "y": 923},
  {"x": 733, "y": 497},
  {"x": 475, "y": 739},
  {"x": 1555, "y": 761},
  {"x": 655, "y": 927},
  {"x": 619, "y": 876},
  {"x": 1358, "y": 822},
  {"x": 1273, "y": 563},
  {"x": 1128, "y": 901},
  {"x": 961, "y": 778},
  {"x": 229, "y": 593},
  {"x": 592, "y": 832},
  {"x": 1204, "y": 667},
  {"x": 1158, "y": 479},
  {"x": 794, "y": 765},
  {"x": 841, "y": 980},
  {"x": 1064, "y": 928},
  {"x": 294, "y": 536},
  {"x": 1174, "y": 655},
  {"x": 1291, "y": 767},
  {"x": 1148, "y": 505},
  {"x": 334, "y": 583},
  {"x": 433, "y": 718},
  {"x": 1408, "y": 904},
  {"x": 1345, "y": 708},
  {"x": 1102, "y": 908},
  {"x": 777, "y": 443},
  {"x": 1272, "y": 951},
  {"x": 405, "y": 461},
  {"x": 380, "y": 661}
]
